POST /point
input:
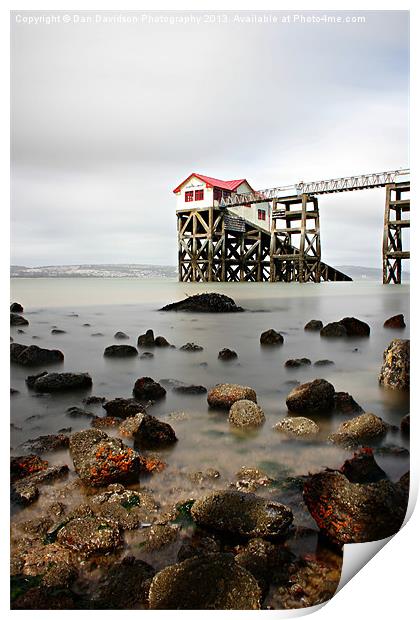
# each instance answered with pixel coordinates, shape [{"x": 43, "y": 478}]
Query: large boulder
[
  {"x": 62, "y": 382},
  {"x": 245, "y": 413},
  {"x": 297, "y": 427},
  {"x": 16, "y": 307},
  {"x": 347, "y": 512},
  {"x": 152, "y": 433},
  {"x": 100, "y": 460},
  {"x": 223, "y": 395},
  {"x": 205, "y": 302},
  {"x": 395, "y": 322},
  {"x": 17, "y": 320},
  {"x": 227, "y": 355},
  {"x": 214, "y": 581},
  {"x": 395, "y": 371},
  {"x": 120, "y": 350},
  {"x": 123, "y": 407},
  {"x": 333, "y": 330},
  {"x": 271, "y": 337},
  {"x": 146, "y": 340},
  {"x": 33, "y": 355},
  {"x": 146, "y": 388},
  {"x": 315, "y": 396},
  {"x": 364, "y": 428},
  {"x": 314, "y": 326},
  {"x": 242, "y": 514},
  {"x": 90, "y": 534},
  {"x": 355, "y": 327}
]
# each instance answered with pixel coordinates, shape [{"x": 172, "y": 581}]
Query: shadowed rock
[
  {"x": 146, "y": 388},
  {"x": 17, "y": 319},
  {"x": 333, "y": 330},
  {"x": 271, "y": 337},
  {"x": 16, "y": 307},
  {"x": 61, "y": 382},
  {"x": 125, "y": 585},
  {"x": 297, "y": 362},
  {"x": 405, "y": 425},
  {"x": 33, "y": 355},
  {"x": 146, "y": 340},
  {"x": 315, "y": 396},
  {"x": 152, "y": 433},
  {"x": 355, "y": 327},
  {"x": 121, "y": 336},
  {"x": 123, "y": 407},
  {"x": 227, "y": 354},
  {"x": 395, "y": 322},
  {"x": 120, "y": 350},
  {"x": 362, "y": 467},
  {"x": 314, "y": 326},
  {"x": 205, "y": 302},
  {"x": 191, "y": 347},
  {"x": 345, "y": 403}
]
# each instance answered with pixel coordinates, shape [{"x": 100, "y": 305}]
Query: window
[
  {"x": 261, "y": 214},
  {"x": 217, "y": 194},
  {"x": 189, "y": 196},
  {"x": 199, "y": 194}
]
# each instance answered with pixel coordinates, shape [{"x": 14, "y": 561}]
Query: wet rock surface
[
  {"x": 146, "y": 340},
  {"x": 33, "y": 355},
  {"x": 362, "y": 467},
  {"x": 123, "y": 407},
  {"x": 100, "y": 460},
  {"x": 147, "y": 388},
  {"x": 205, "y": 302},
  {"x": 245, "y": 413},
  {"x": 333, "y": 330},
  {"x": 355, "y": 327},
  {"x": 367, "y": 427},
  {"x": 17, "y": 319},
  {"x": 152, "y": 433},
  {"x": 395, "y": 371},
  {"x": 89, "y": 534},
  {"x": 62, "y": 382},
  {"x": 161, "y": 342},
  {"x": 227, "y": 585},
  {"x": 121, "y": 336},
  {"x": 120, "y": 350},
  {"x": 190, "y": 389},
  {"x": 227, "y": 354},
  {"x": 315, "y": 396},
  {"x": 126, "y": 585},
  {"x": 314, "y": 325},
  {"x": 297, "y": 362},
  {"x": 223, "y": 395},
  {"x": 346, "y": 512},
  {"x": 16, "y": 307},
  {"x": 22, "y": 466},
  {"x": 271, "y": 337},
  {"x": 191, "y": 347},
  {"x": 242, "y": 514},
  {"x": 25, "y": 491},
  {"x": 47, "y": 443},
  {"x": 345, "y": 403},
  {"x": 395, "y": 322},
  {"x": 297, "y": 427}
]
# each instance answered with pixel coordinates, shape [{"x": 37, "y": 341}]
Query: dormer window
[
  {"x": 189, "y": 196},
  {"x": 199, "y": 194}
]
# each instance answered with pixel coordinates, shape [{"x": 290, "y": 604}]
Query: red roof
[{"x": 230, "y": 185}]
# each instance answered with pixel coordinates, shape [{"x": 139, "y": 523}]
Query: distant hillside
[
  {"x": 367, "y": 273},
  {"x": 95, "y": 271}
]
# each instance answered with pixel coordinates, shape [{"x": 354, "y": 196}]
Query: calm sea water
[{"x": 205, "y": 438}]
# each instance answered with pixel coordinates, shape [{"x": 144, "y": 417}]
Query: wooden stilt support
[{"x": 396, "y": 218}]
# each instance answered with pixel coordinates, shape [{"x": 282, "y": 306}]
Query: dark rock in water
[
  {"x": 271, "y": 337},
  {"x": 120, "y": 350},
  {"x": 89, "y": 534},
  {"x": 314, "y": 326},
  {"x": 190, "y": 389},
  {"x": 13, "y": 391},
  {"x": 242, "y": 514},
  {"x": 355, "y": 327},
  {"x": 223, "y": 395},
  {"x": 33, "y": 355},
  {"x": 97, "y": 334},
  {"x": 333, "y": 330},
  {"x": 22, "y": 466},
  {"x": 297, "y": 362},
  {"x": 160, "y": 341},
  {"x": 315, "y": 396},
  {"x": 146, "y": 355},
  {"x": 405, "y": 425},
  {"x": 17, "y": 319},
  {"x": 205, "y": 302},
  {"x": 94, "y": 400},
  {"x": 227, "y": 355},
  {"x": 246, "y": 413},
  {"x": 21, "y": 331},
  {"x": 323, "y": 363},
  {"x": 345, "y": 403},
  {"x": 347, "y": 512},
  {"x": 392, "y": 450},
  {"x": 146, "y": 388},
  {"x": 123, "y": 407},
  {"x": 395, "y": 322},
  {"x": 26, "y": 491},
  {"x": 100, "y": 460},
  {"x": 64, "y": 381},
  {"x": 146, "y": 340},
  {"x": 121, "y": 336},
  {"x": 365, "y": 428},
  {"x": 125, "y": 585},
  {"x": 297, "y": 427},
  {"x": 106, "y": 422},
  {"x": 86, "y": 325},
  {"x": 395, "y": 371},
  {"x": 16, "y": 307},
  {"x": 58, "y": 331},
  {"x": 30, "y": 379},
  {"x": 214, "y": 581},
  {"x": 362, "y": 467},
  {"x": 47, "y": 443},
  {"x": 191, "y": 347},
  {"x": 152, "y": 433},
  {"x": 78, "y": 412}
]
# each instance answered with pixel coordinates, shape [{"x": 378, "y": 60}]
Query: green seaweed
[
  {"x": 183, "y": 515},
  {"x": 131, "y": 502}
]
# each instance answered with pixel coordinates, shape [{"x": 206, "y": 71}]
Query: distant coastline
[{"x": 148, "y": 272}]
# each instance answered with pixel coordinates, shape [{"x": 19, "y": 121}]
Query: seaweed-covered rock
[
  {"x": 333, "y": 330},
  {"x": 347, "y": 512},
  {"x": 355, "y": 327},
  {"x": 244, "y": 413},
  {"x": 205, "y": 302},
  {"x": 395, "y": 371},
  {"x": 146, "y": 340},
  {"x": 123, "y": 407},
  {"x": 120, "y": 350},
  {"x": 227, "y": 354},
  {"x": 53, "y": 563},
  {"x": 242, "y": 514},
  {"x": 314, "y": 326},
  {"x": 62, "y": 382},
  {"x": 223, "y": 395},
  {"x": 364, "y": 428},
  {"x": 22, "y": 466},
  {"x": 17, "y": 319},
  {"x": 297, "y": 362},
  {"x": 271, "y": 337},
  {"x": 128, "y": 509},
  {"x": 213, "y": 581},
  {"x": 100, "y": 460},
  {"x": 191, "y": 347},
  {"x": 125, "y": 585},
  {"x": 405, "y": 425},
  {"x": 121, "y": 336},
  {"x": 312, "y": 397},
  {"x": 33, "y": 355},
  {"x": 297, "y": 427},
  {"x": 362, "y": 467},
  {"x": 152, "y": 433},
  {"x": 16, "y": 307},
  {"x": 89, "y": 534},
  {"x": 345, "y": 403},
  {"x": 146, "y": 388},
  {"x": 395, "y": 322}
]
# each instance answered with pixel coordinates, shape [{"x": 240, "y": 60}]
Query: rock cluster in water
[{"x": 205, "y": 302}]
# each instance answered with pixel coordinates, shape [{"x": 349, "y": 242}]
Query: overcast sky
[{"x": 108, "y": 118}]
